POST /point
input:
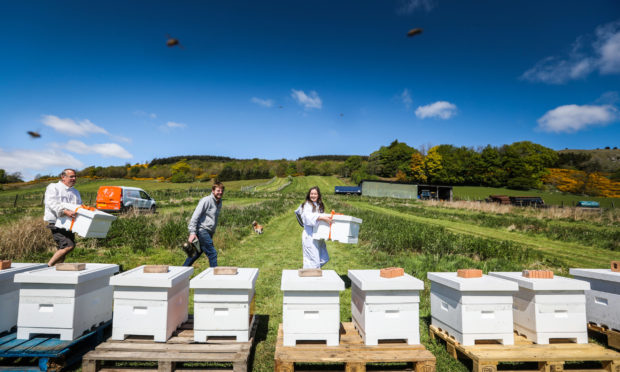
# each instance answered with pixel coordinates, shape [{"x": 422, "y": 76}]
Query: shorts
[{"x": 62, "y": 237}]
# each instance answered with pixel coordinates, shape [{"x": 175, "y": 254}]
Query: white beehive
[
  {"x": 472, "y": 309},
  {"x": 344, "y": 229},
  {"x": 150, "y": 304},
  {"x": 311, "y": 307},
  {"x": 603, "y": 298},
  {"x": 9, "y": 293},
  {"x": 385, "y": 308},
  {"x": 552, "y": 308},
  {"x": 87, "y": 224},
  {"x": 66, "y": 303},
  {"x": 223, "y": 304}
]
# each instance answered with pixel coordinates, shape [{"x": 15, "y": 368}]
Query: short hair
[
  {"x": 64, "y": 172},
  {"x": 216, "y": 185}
]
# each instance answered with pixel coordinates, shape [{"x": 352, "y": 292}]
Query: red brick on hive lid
[
  {"x": 537, "y": 274},
  {"x": 391, "y": 272},
  {"x": 155, "y": 269},
  {"x": 5, "y": 264},
  {"x": 70, "y": 266},
  {"x": 469, "y": 273},
  {"x": 309, "y": 272},
  {"x": 615, "y": 266},
  {"x": 225, "y": 270}
]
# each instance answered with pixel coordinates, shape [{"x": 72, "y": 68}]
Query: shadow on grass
[
  {"x": 346, "y": 280},
  {"x": 261, "y": 335}
]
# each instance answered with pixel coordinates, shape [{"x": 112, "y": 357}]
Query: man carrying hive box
[{"x": 57, "y": 195}]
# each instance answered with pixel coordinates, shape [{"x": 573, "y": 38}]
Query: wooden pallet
[
  {"x": 550, "y": 358},
  {"x": 180, "y": 348},
  {"x": 352, "y": 352},
  {"x": 613, "y": 336}
]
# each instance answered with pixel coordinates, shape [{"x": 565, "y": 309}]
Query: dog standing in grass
[{"x": 257, "y": 228}]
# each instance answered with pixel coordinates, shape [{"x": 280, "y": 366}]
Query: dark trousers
[{"x": 206, "y": 246}]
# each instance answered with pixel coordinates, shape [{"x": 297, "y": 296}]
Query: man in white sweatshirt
[{"x": 57, "y": 195}]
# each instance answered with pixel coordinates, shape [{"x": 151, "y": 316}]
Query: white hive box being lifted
[
  {"x": 311, "y": 307},
  {"x": 9, "y": 293},
  {"x": 66, "y": 303},
  {"x": 603, "y": 298},
  {"x": 223, "y": 304},
  {"x": 344, "y": 229},
  {"x": 471, "y": 309},
  {"x": 385, "y": 308},
  {"x": 150, "y": 304},
  {"x": 549, "y": 308},
  {"x": 87, "y": 223}
]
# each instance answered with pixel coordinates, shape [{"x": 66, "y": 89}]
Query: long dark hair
[{"x": 319, "y": 200}]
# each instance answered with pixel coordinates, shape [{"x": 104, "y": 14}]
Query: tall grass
[{"x": 24, "y": 236}]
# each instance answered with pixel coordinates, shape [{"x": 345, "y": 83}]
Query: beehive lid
[
  {"x": 138, "y": 278},
  {"x": 17, "y": 267},
  {"x": 99, "y": 215},
  {"x": 600, "y": 274},
  {"x": 371, "y": 280},
  {"x": 52, "y": 276},
  {"x": 244, "y": 279},
  {"x": 558, "y": 283},
  {"x": 343, "y": 218},
  {"x": 484, "y": 284},
  {"x": 330, "y": 281}
]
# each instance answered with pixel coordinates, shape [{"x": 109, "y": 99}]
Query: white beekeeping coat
[{"x": 314, "y": 251}]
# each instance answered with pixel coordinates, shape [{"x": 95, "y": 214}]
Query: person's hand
[
  {"x": 192, "y": 237},
  {"x": 69, "y": 213}
]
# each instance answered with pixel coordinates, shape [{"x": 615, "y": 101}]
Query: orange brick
[
  {"x": 469, "y": 273},
  {"x": 538, "y": 274},
  {"x": 5, "y": 264},
  {"x": 615, "y": 266},
  {"x": 391, "y": 272}
]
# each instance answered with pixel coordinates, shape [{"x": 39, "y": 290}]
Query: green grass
[{"x": 303, "y": 184}]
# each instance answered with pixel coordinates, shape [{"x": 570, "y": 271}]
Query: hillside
[{"x": 609, "y": 159}]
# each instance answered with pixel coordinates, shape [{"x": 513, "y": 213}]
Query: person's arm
[
  {"x": 192, "y": 226},
  {"x": 311, "y": 218},
  {"x": 52, "y": 200}
]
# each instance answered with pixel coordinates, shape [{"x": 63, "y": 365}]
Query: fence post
[
  {"x": 15, "y": 202},
  {"x": 43, "y": 199}
]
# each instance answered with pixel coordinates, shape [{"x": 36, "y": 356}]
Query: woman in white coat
[{"x": 314, "y": 251}]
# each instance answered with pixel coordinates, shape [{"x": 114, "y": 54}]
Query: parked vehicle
[
  {"x": 348, "y": 190},
  {"x": 124, "y": 199}
]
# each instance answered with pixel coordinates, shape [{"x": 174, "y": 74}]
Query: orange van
[{"x": 123, "y": 198}]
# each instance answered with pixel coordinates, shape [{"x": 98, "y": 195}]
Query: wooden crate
[
  {"x": 613, "y": 336},
  {"x": 180, "y": 348},
  {"x": 550, "y": 357},
  {"x": 352, "y": 352}
]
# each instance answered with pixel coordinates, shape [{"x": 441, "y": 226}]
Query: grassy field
[{"x": 420, "y": 237}]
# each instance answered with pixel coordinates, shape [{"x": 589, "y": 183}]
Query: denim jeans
[{"x": 206, "y": 246}]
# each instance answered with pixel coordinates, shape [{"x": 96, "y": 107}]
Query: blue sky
[{"x": 284, "y": 79}]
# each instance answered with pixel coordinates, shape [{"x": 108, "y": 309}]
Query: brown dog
[{"x": 257, "y": 228}]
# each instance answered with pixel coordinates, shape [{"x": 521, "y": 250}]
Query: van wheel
[{"x": 153, "y": 209}]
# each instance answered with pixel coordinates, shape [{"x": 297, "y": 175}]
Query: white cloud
[
  {"x": 439, "y": 109},
  {"x": 172, "y": 124},
  {"x": 405, "y": 96},
  {"x": 586, "y": 56},
  {"x": 409, "y": 6},
  {"x": 71, "y": 127},
  {"x": 262, "y": 102},
  {"x": 104, "y": 149},
  {"x": 151, "y": 115},
  {"x": 572, "y": 118},
  {"x": 30, "y": 161},
  {"x": 309, "y": 101}
]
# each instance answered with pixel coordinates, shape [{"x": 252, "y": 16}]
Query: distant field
[
  {"x": 325, "y": 183},
  {"x": 552, "y": 198}
]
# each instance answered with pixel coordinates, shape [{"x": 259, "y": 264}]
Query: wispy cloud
[
  {"x": 588, "y": 54},
  {"x": 405, "y": 97},
  {"x": 30, "y": 161},
  {"x": 573, "y": 118},
  {"x": 172, "y": 124},
  {"x": 440, "y": 109},
  {"x": 262, "y": 102},
  {"x": 103, "y": 149},
  {"x": 72, "y": 128},
  {"x": 151, "y": 115},
  {"x": 308, "y": 101},
  {"x": 410, "y": 6}
]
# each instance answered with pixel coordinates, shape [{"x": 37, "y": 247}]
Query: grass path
[
  {"x": 303, "y": 184},
  {"x": 572, "y": 254}
]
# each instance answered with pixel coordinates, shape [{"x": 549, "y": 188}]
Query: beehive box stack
[
  {"x": 385, "y": 308},
  {"x": 66, "y": 303},
  {"x": 603, "y": 298},
  {"x": 548, "y": 307},
  {"x": 87, "y": 223},
  {"x": 9, "y": 292},
  {"x": 344, "y": 229},
  {"x": 223, "y": 303},
  {"x": 472, "y": 306},
  {"x": 311, "y": 307},
  {"x": 150, "y": 301}
]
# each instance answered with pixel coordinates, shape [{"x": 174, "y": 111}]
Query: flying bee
[
  {"x": 414, "y": 31},
  {"x": 173, "y": 42},
  {"x": 34, "y": 134}
]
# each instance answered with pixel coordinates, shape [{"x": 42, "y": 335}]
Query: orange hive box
[
  {"x": 615, "y": 266},
  {"x": 392, "y": 272},
  {"x": 5, "y": 264},
  {"x": 538, "y": 274},
  {"x": 469, "y": 273}
]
